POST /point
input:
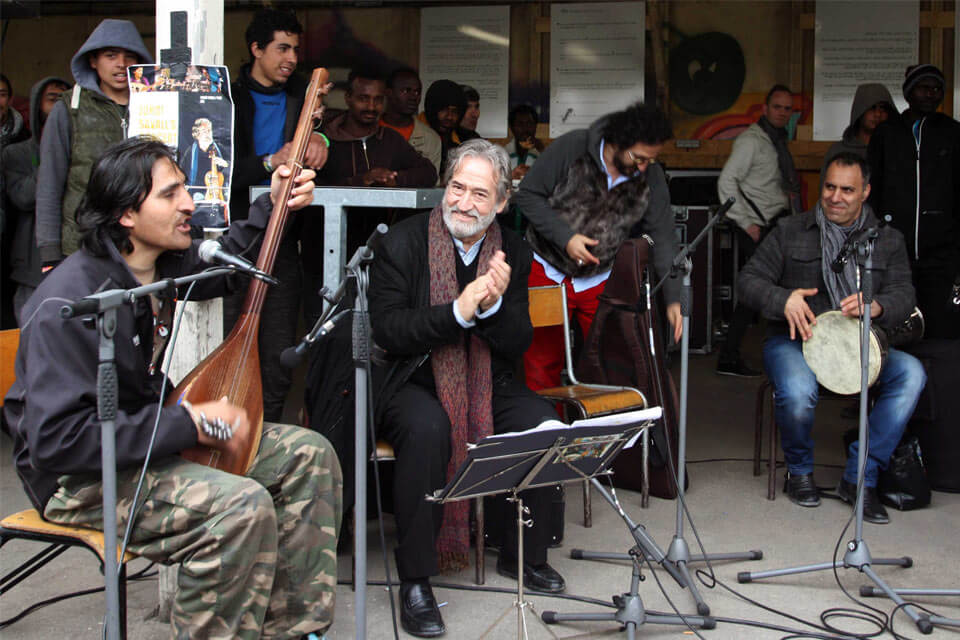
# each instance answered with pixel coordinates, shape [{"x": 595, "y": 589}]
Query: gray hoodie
[
  {"x": 57, "y": 141},
  {"x": 866, "y": 96},
  {"x": 20, "y": 164}
]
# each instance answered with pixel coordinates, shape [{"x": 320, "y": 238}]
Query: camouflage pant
[{"x": 258, "y": 554}]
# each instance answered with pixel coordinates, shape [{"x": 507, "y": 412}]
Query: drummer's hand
[
  {"x": 233, "y": 415},
  {"x": 798, "y": 313},
  {"x": 851, "y": 305},
  {"x": 302, "y": 193},
  {"x": 676, "y": 320}
]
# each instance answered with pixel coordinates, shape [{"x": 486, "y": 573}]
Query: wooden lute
[{"x": 233, "y": 369}]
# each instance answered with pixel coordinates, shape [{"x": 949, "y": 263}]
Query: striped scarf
[{"x": 464, "y": 383}]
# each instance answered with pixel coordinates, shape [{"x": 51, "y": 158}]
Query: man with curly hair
[{"x": 588, "y": 192}]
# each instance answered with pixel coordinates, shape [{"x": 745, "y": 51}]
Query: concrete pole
[{"x": 202, "y": 327}]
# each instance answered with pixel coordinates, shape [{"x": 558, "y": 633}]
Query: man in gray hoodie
[
  {"x": 20, "y": 164},
  {"x": 86, "y": 121}
]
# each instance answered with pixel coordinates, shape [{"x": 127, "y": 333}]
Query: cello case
[{"x": 617, "y": 352}]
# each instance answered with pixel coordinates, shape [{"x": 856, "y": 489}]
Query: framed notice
[
  {"x": 190, "y": 110},
  {"x": 856, "y": 43},
  {"x": 470, "y": 45},
  {"x": 596, "y": 61}
]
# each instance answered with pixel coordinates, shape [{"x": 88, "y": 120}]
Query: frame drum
[{"x": 833, "y": 353}]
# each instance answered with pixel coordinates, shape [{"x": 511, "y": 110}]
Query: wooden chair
[
  {"x": 28, "y": 525},
  {"x": 548, "y": 308}
]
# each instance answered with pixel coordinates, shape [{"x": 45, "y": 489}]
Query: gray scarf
[
  {"x": 789, "y": 180},
  {"x": 839, "y": 285}
]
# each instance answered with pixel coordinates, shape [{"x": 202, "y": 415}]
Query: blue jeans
[{"x": 795, "y": 398}]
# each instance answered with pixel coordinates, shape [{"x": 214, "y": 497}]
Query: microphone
[
  {"x": 212, "y": 252},
  {"x": 844, "y": 254},
  {"x": 291, "y": 356},
  {"x": 365, "y": 253},
  {"x": 722, "y": 211}
]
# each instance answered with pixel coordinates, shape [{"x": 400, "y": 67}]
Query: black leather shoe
[
  {"x": 541, "y": 577},
  {"x": 873, "y": 509},
  {"x": 419, "y": 613},
  {"x": 737, "y": 368},
  {"x": 801, "y": 489}
]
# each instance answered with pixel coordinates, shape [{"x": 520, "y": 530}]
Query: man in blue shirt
[{"x": 267, "y": 97}]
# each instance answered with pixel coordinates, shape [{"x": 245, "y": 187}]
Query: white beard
[{"x": 461, "y": 230}]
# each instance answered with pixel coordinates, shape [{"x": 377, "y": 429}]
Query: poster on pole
[
  {"x": 471, "y": 46},
  {"x": 596, "y": 61},
  {"x": 857, "y": 43},
  {"x": 192, "y": 113}
]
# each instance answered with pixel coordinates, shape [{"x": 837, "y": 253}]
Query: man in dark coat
[
  {"x": 915, "y": 160},
  {"x": 20, "y": 164},
  {"x": 790, "y": 280},
  {"x": 449, "y": 305},
  {"x": 588, "y": 192}
]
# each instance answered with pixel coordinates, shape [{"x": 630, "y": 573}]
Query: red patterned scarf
[{"x": 463, "y": 378}]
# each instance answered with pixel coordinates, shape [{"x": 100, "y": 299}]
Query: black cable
[
  {"x": 140, "y": 575},
  {"x": 135, "y": 502}
]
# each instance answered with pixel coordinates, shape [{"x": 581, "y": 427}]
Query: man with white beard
[{"x": 449, "y": 305}]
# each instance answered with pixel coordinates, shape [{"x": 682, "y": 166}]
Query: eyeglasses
[{"x": 640, "y": 161}]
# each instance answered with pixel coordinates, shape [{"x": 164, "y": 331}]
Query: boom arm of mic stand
[{"x": 679, "y": 260}]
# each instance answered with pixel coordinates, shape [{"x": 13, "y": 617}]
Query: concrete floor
[{"x": 729, "y": 509}]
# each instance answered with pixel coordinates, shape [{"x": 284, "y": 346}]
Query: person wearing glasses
[
  {"x": 588, "y": 192},
  {"x": 915, "y": 160},
  {"x": 761, "y": 176}
]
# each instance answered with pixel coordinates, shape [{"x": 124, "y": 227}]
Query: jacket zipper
[{"x": 917, "y": 138}]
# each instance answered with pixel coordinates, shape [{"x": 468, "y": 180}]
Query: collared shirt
[{"x": 468, "y": 256}]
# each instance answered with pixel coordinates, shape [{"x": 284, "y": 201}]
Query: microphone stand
[
  {"x": 104, "y": 305},
  {"x": 679, "y": 551},
  {"x": 858, "y": 555},
  {"x": 678, "y": 556},
  {"x": 356, "y": 270}
]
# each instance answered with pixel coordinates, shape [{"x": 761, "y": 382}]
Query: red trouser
[{"x": 544, "y": 360}]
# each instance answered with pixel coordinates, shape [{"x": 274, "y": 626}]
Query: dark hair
[
  {"x": 5, "y": 80},
  {"x": 777, "y": 88},
  {"x": 366, "y": 74},
  {"x": 850, "y": 159},
  {"x": 637, "y": 123},
  {"x": 470, "y": 93},
  {"x": 521, "y": 108},
  {"x": 401, "y": 71},
  {"x": 268, "y": 21},
  {"x": 120, "y": 180}
]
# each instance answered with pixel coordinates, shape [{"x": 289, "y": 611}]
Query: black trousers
[{"x": 416, "y": 425}]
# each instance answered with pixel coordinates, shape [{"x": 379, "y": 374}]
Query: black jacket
[
  {"x": 790, "y": 258},
  {"x": 408, "y": 327},
  {"x": 554, "y": 169},
  {"x": 248, "y": 170},
  {"x": 51, "y": 409},
  {"x": 931, "y": 224},
  {"x": 350, "y": 158}
]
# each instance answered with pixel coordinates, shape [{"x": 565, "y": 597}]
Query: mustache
[{"x": 470, "y": 212}]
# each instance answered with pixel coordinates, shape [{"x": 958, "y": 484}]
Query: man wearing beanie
[
  {"x": 88, "y": 119},
  {"x": 915, "y": 161},
  {"x": 443, "y": 107}
]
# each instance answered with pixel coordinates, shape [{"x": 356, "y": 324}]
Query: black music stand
[{"x": 539, "y": 457}]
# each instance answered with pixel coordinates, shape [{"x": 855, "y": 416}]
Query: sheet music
[{"x": 626, "y": 418}]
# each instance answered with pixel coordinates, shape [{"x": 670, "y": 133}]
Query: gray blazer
[{"x": 789, "y": 258}]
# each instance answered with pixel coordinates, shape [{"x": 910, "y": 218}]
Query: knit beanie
[{"x": 916, "y": 73}]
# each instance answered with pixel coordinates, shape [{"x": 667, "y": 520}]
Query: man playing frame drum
[{"x": 790, "y": 280}]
